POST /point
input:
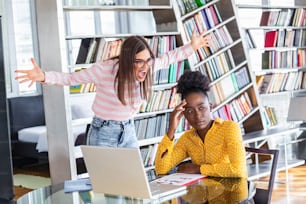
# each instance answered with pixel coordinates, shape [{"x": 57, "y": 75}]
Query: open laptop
[
  {"x": 295, "y": 110},
  {"x": 120, "y": 171}
]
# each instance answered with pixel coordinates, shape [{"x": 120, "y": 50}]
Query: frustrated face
[
  {"x": 142, "y": 63},
  {"x": 197, "y": 110}
]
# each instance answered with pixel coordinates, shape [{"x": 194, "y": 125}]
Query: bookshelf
[
  {"x": 275, "y": 40},
  {"x": 233, "y": 93}
]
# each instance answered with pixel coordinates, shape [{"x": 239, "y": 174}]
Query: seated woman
[{"x": 214, "y": 146}]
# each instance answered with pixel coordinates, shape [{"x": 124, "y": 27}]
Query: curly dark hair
[{"x": 193, "y": 81}]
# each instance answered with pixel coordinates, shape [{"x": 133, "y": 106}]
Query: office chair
[
  {"x": 263, "y": 196},
  {"x": 81, "y": 140}
]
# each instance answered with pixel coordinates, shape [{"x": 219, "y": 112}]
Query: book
[
  {"x": 77, "y": 185},
  {"x": 91, "y": 51},
  {"x": 249, "y": 39},
  {"x": 271, "y": 38},
  {"x": 181, "y": 179},
  {"x": 264, "y": 18},
  {"x": 75, "y": 88},
  {"x": 83, "y": 51}
]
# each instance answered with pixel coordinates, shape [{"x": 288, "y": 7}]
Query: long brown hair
[{"x": 125, "y": 76}]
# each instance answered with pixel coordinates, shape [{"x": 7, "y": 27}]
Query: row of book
[
  {"x": 220, "y": 38},
  {"x": 285, "y": 38},
  {"x": 218, "y": 66},
  {"x": 274, "y": 59},
  {"x": 95, "y": 49},
  {"x": 82, "y": 88},
  {"x": 171, "y": 74},
  {"x": 236, "y": 110},
  {"x": 156, "y": 126},
  {"x": 160, "y": 100},
  {"x": 229, "y": 85},
  {"x": 151, "y": 174},
  {"x": 148, "y": 154},
  {"x": 204, "y": 20},
  {"x": 162, "y": 44},
  {"x": 278, "y": 82},
  {"x": 186, "y": 6},
  {"x": 159, "y": 46},
  {"x": 283, "y": 17},
  {"x": 269, "y": 114}
]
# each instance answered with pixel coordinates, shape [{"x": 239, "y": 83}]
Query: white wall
[{"x": 1, "y": 8}]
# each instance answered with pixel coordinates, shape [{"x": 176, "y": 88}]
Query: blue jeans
[{"x": 112, "y": 133}]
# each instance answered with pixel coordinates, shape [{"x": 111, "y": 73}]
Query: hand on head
[
  {"x": 175, "y": 118},
  {"x": 32, "y": 75},
  {"x": 198, "y": 41}
]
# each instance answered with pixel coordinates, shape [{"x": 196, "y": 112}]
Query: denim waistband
[{"x": 99, "y": 122}]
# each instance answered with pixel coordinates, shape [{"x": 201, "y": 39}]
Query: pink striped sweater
[{"x": 106, "y": 104}]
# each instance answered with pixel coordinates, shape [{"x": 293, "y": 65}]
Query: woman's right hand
[
  {"x": 175, "y": 118},
  {"x": 33, "y": 75}
]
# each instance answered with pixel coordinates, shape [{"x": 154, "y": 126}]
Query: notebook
[{"x": 120, "y": 171}]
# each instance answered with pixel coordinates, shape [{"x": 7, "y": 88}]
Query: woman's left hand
[
  {"x": 175, "y": 118},
  {"x": 198, "y": 41}
]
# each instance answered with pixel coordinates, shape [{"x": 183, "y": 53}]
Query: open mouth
[{"x": 142, "y": 75}]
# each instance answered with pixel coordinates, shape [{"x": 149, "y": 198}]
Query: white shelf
[
  {"x": 148, "y": 114},
  {"x": 274, "y": 27},
  {"x": 154, "y": 140},
  {"x": 116, "y": 8},
  {"x": 266, "y": 134},
  {"x": 188, "y": 15},
  {"x": 264, "y": 168},
  {"x": 217, "y": 53},
  {"x": 269, "y": 6},
  {"x": 120, "y": 35}
]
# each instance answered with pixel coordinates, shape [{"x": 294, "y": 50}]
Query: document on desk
[
  {"x": 181, "y": 179},
  {"x": 77, "y": 185}
]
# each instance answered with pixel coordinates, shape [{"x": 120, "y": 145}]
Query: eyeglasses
[{"x": 139, "y": 63}]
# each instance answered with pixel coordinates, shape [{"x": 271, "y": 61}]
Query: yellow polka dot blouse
[{"x": 221, "y": 155}]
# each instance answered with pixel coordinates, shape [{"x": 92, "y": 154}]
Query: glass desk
[{"x": 208, "y": 190}]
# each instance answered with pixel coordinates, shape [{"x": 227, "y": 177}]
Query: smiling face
[
  {"x": 142, "y": 63},
  {"x": 197, "y": 110}
]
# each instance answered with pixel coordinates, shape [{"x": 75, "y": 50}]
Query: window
[{"x": 21, "y": 44}]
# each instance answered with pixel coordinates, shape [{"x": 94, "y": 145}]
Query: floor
[
  {"x": 292, "y": 192},
  {"x": 41, "y": 170},
  {"x": 284, "y": 193}
]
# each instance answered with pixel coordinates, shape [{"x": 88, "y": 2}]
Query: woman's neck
[{"x": 202, "y": 133}]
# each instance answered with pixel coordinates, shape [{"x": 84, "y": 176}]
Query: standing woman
[{"x": 122, "y": 84}]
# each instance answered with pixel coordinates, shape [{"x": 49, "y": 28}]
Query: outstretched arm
[
  {"x": 34, "y": 75},
  {"x": 184, "y": 51}
]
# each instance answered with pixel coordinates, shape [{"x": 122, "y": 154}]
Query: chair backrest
[
  {"x": 263, "y": 196},
  {"x": 81, "y": 140}
]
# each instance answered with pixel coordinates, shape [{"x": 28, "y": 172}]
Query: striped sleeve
[
  {"x": 95, "y": 74},
  {"x": 172, "y": 56}
]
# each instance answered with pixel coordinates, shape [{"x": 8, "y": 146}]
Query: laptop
[
  {"x": 295, "y": 111},
  {"x": 120, "y": 171}
]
